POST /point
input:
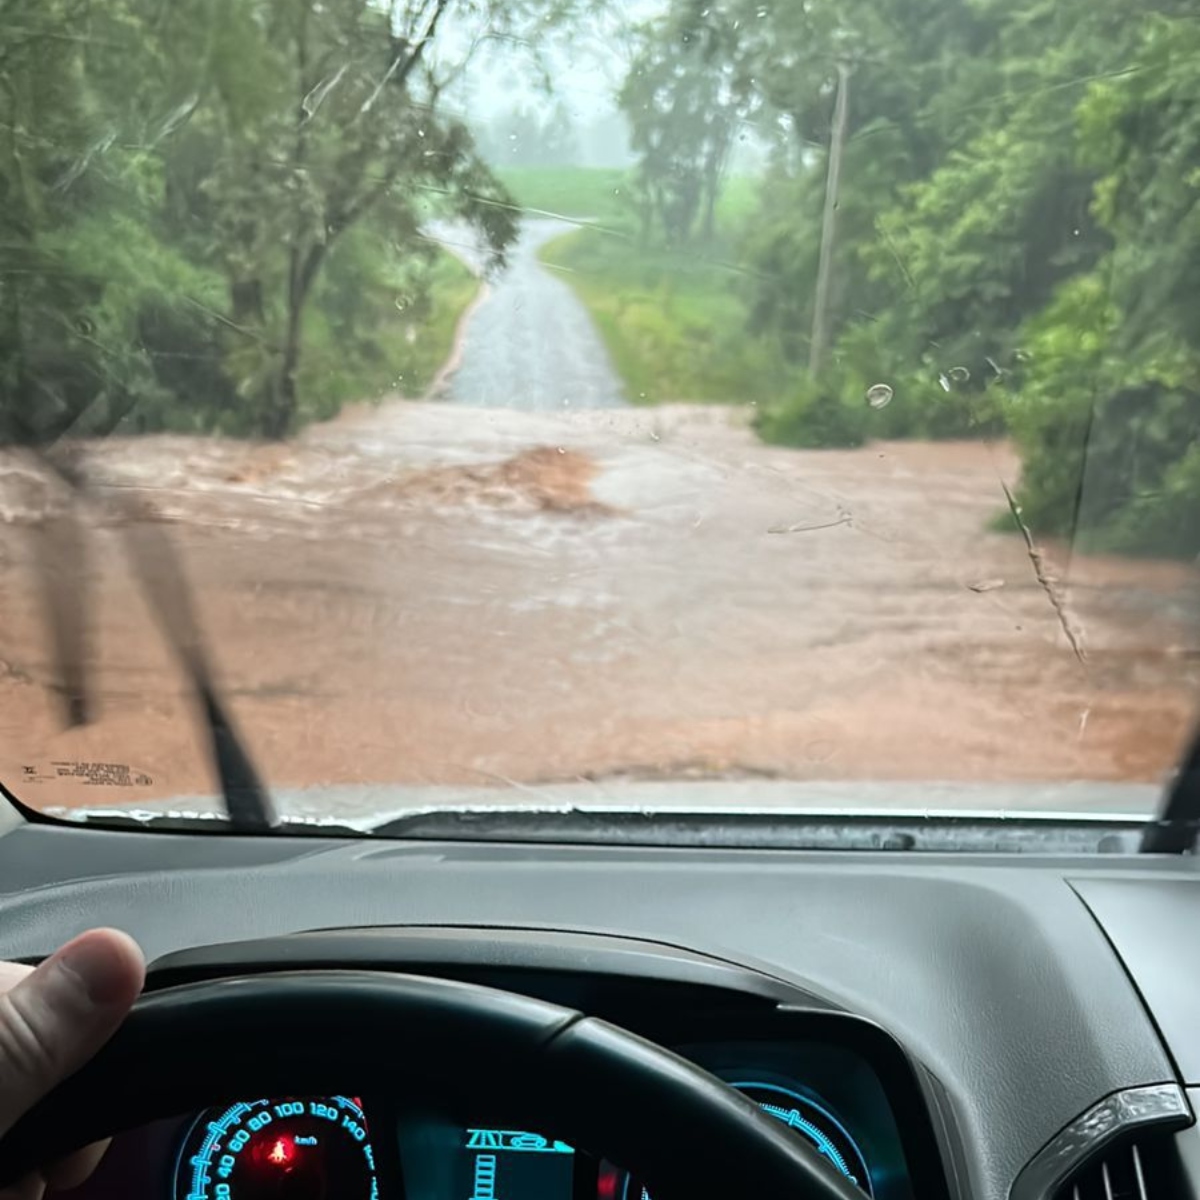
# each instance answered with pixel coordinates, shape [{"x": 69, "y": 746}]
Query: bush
[
  {"x": 821, "y": 414},
  {"x": 940, "y": 396}
]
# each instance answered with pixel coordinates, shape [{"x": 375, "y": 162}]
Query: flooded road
[{"x": 473, "y": 596}]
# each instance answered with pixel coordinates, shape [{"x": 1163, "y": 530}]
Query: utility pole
[{"x": 833, "y": 175}]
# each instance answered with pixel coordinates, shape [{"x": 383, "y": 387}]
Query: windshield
[{"x": 660, "y": 403}]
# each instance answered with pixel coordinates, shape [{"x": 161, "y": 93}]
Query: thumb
[{"x": 56, "y": 1018}]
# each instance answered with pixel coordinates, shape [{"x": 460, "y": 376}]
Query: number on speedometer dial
[{"x": 314, "y": 1148}]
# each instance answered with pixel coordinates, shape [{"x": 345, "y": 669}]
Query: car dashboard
[
  {"x": 837, "y": 1081},
  {"x": 940, "y": 1026}
]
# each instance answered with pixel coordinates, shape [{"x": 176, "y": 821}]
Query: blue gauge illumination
[
  {"x": 827, "y": 1134},
  {"x": 810, "y": 1119},
  {"x": 314, "y": 1148}
]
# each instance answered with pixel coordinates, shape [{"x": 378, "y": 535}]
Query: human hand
[{"x": 52, "y": 1020}]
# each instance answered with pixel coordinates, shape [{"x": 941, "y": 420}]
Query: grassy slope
[
  {"x": 453, "y": 288},
  {"x": 673, "y": 322}
]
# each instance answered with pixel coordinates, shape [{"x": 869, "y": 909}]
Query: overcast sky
[{"x": 585, "y": 74}]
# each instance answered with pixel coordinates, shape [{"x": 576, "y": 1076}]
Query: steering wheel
[{"x": 677, "y": 1128}]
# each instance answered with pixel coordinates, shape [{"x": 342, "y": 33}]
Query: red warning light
[{"x": 282, "y": 1152}]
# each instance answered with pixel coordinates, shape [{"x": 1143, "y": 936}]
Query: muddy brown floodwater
[{"x": 436, "y": 594}]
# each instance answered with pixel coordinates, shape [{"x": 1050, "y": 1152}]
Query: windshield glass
[{"x": 696, "y": 403}]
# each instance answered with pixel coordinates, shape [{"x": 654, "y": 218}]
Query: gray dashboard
[{"x": 993, "y": 972}]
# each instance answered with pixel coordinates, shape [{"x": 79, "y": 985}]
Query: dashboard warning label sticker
[{"x": 87, "y": 774}]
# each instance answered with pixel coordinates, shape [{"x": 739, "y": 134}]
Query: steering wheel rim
[{"x": 678, "y": 1128}]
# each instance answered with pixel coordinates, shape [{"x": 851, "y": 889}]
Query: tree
[
  {"x": 1107, "y": 410},
  {"x": 336, "y": 123},
  {"x": 683, "y": 112},
  {"x": 83, "y": 265},
  {"x": 177, "y": 177}
]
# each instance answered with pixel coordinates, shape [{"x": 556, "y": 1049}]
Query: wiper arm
[
  {"x": 160, "y": 572},
  {"x": 1175, "y": 828}
]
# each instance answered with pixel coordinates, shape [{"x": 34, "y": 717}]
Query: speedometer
[
  {"x": 816, "y": 1124},
  {"x": 278, "y": 1149},
  {"x": 809, "y": 1118}
]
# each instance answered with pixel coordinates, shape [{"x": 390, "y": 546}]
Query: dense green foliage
[
  {"x": 212, "y": 209},
  {"x": 1016, "y": 234}
]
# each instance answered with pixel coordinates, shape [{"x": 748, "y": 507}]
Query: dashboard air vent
[
  {"x": 1119, "y": 1175},
  {"x": 1145, "y": 1169}
]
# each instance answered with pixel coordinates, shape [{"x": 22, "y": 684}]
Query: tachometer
[
  {"x": 810, "y": 1119},
  {"x": 279, "y": 1149}
]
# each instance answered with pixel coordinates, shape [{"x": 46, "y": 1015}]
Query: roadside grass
[
  {"x": 673, "y": 323},
  {"x": 421, "y": 353},
  {"x": 401, "y": 352}
]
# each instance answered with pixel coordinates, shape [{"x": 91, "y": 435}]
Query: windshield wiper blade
[
  {"x": 1175, "y": 828},
  {"x": 61, "y": 563},
  {"x": 160, "y": 572}
]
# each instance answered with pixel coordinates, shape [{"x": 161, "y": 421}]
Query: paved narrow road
[{"x": 529, "y": 343}]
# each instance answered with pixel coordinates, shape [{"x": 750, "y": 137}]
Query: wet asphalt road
[{"x": 529, "y": 343}]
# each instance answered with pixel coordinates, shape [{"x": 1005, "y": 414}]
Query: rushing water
[{"x": 428, "y": 594}]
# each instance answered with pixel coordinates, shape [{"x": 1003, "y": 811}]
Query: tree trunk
[
  {"x": 285, "y": 396},
  {"x": 246, "y": 302},
  {"x": 277, "y": 419}
]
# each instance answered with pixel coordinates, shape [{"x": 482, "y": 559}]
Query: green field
[
  {"x": 602, "y": 194},
  {"x": 587, "y": 193}
]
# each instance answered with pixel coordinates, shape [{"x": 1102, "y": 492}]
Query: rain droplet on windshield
[{"x": 879, "y": 395}]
